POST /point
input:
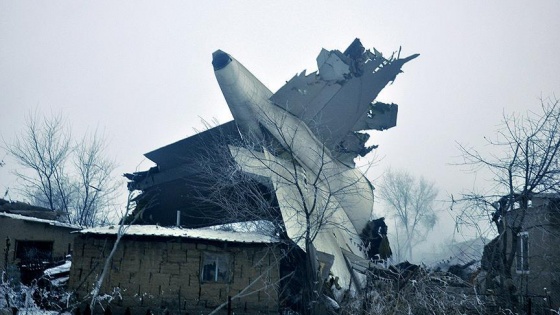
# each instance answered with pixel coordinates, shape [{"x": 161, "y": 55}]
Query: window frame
[
  {"x": 221, "y": 266},
  {"x": 522, "y": 255}
]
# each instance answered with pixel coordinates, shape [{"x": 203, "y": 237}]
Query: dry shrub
[{"x": 415, "y": 292}]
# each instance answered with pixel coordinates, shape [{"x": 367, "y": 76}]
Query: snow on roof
[
  {"x": 33, "y": 219},
  {"x": 202, "y": 233},
  {"x": 58, "y": 269}
]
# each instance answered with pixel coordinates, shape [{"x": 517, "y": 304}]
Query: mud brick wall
[
  {"x": 23, "y": 230},
  {"x": 164, "y": 274}
]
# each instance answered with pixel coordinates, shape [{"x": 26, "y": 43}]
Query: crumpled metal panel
[
  {"x": 331, "y": 67},
  {"x": 338, "y": 102}
]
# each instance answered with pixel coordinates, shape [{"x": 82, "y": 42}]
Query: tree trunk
[{"x": 313, "y": 284}]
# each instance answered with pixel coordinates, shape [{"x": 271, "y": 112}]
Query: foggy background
[{"x": 140, "y": 71}]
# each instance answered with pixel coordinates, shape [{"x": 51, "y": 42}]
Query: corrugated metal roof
[
  {"x": 32, "y": 219},
  {"x": 203, "y": 233}
]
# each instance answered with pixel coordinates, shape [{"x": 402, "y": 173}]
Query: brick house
[
  {"x": 537, "y": 264},
  {"x": 536, "y": 268},
  {"x": 33, "y": 243},
  {"x": 180, "y": 270}
]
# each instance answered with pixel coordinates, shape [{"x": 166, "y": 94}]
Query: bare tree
[
  {"x": 410, "y": 289},
  {"x": 524, "y": 162},
  {"x": 310, "y": 200},
  {"x": 411, "y": 202},
  {"x": 72, "y": 178},
  {"x": 95, "y": 187},
  {"x": 121, "y": 231},
  {"x": 44, "y": 148}
]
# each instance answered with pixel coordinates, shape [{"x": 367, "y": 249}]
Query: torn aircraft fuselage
[
  {"x": 315, "y": 121},
  {"x": 301, "y": 142}
]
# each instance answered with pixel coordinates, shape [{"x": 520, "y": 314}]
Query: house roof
[
  {"x": 181, "y": 181},
  {"x": 32, "y": 219},
  {"x": 202, "y": 233},
  {"x": 193, "y": 148},
  {"x": 27, "y": 210}
]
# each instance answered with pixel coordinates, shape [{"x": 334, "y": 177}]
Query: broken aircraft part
[{"x": 315, "y": 118}]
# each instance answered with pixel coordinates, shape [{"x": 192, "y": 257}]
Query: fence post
[{"x": 229, "y": 305}]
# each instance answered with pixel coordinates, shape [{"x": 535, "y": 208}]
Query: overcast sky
[{"x": 141, "y": 70}]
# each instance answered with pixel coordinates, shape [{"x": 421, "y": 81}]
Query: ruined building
[
  {"x": 32, "y": 239},
  {"x": 287, "y": 158},
  {"x": 531, "y": 236}
]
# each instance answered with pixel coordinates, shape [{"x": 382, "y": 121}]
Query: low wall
[{"x": 163, "y": 274}]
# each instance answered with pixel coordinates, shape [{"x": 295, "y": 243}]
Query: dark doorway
[{"x": 34, "y": 257}]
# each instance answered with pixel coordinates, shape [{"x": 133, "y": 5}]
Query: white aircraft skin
[
  {"x": 331, "y": 236},
  {"x": 241, "y": 90},
  {"x": 248, "y": 100},
  {"x": 345, "y": 188}
]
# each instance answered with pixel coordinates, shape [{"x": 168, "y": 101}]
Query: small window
[
  {"x": 215, "y": 267},
  {"x": 522, "y": 258}
]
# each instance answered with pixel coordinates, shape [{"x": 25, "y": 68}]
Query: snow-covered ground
[
  {"x": 26, "y": 299},
  {"x": 40, "y": 312}
]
